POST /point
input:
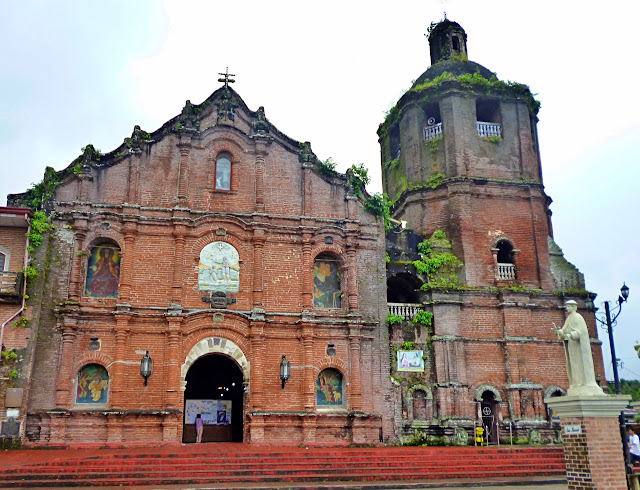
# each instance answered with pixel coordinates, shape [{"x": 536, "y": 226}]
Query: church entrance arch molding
[{"x": 215, "y": 345}]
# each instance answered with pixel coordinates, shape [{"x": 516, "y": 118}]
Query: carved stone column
[
  {"x": 118, "y": 384},
  {"x": 174, "y": 358},
  {"x": 309, "y": 382},
  {"x": 65, "y": 376},
  {"x": 178, "y": 263},
  {"x": 258, "y": 246},
  {"x": 127, "y": 257},
  {"x": 77, "y": 271},
  {"x": 355, "y": 399},
  {"x": 126, "y": 264},
  {"x": 259, "y": 206},
  {"x": 183, "y": 169},
  {"x": 352, "y": 268},
  {"x": 257, "y": 365},
  {"x": 306, "y": 188},
  {"x": 307, "y": 273}
]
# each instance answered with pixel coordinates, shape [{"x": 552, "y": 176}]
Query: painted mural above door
[{"x": 219, "y": 268}]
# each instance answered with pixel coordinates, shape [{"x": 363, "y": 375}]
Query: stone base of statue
[{"x": 591, "y": 439}]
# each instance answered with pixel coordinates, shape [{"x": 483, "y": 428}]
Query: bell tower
[
  {"x": 460, "y": 154},
  {"x": 475, "y": 277}
]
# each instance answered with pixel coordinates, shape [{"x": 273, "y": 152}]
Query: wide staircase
[{"x": 229, "y": 464}]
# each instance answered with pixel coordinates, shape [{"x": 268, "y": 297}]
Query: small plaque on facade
[
  {"x": 221, "y": 231},
  {"x": 218, "y": 317},
  {"x": 328, "y": 240},
  {"x": 571, "y": 430}
]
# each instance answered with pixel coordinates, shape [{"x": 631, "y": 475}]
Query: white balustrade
[
  {"x": 487, "y": 129},
  {"x": 408, "y": 311},
  {"x": 506, "y": 272},
  {"x": 433, "y": 132}
]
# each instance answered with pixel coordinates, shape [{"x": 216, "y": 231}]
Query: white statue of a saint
[{"x": 577, "y": 348}]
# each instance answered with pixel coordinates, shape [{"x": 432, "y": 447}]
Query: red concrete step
[{"x": 167, "y": 467}]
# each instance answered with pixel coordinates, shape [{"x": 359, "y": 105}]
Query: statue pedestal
[{"x": 591, "y": 439}]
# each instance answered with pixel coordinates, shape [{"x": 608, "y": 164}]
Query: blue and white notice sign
[{"x": 572, "y": 430}]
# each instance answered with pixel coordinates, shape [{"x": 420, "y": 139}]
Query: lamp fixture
[
  {"x": 285, "y": 370},
  {"x": 146, "y": 367}
]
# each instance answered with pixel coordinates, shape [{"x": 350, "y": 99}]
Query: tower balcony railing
[
  {"x": 11, "y": 283},
  {"x": 408, "y": 311},
  {"x": 488, "y": 129},
  {"x": 433, "y": 132},
  {"x": 506, "y": 272}
]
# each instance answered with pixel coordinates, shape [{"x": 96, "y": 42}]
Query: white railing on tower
[
  {"x": 506, "y": 272},
  {"x": 487, "y": 129},
  {"x": 408, "y": 311},
  {"x": 433, "y": 132}
]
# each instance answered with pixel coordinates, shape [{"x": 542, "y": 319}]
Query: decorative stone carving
[
  {"x": 219, "y": 300},
  {"x": 577, "y": 348},
  {"x": 262, "y": 124},
  {"x": 188, "y": 118},
  {"x": 305, "y": 154},
  {"x": 138, "y": 138},
  {"x": 226, "y": 107}
]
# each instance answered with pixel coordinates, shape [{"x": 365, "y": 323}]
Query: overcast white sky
[{"x": 78, "y": 72}]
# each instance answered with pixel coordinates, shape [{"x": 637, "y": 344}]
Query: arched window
[
  {"x": 505, "y": 252},
  {"x": 103, "y": 271},
  {"x": 3, "y": 261},
  {"x": 329, "y": 389},
  {"x": 504, "y": 255},
  {"x": 456, "y": 43},
  {"x": 219, "y": 268},
  {"x": 327, "y": 291},
  {"x": 419, "y": 405},
  {"x": 92, "y": 385},
  {"x": 223, "y": 172}
]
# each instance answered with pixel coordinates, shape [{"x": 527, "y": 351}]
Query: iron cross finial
[{"x": 226, "y": 78}]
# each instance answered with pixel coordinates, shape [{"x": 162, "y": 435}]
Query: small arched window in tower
[
  {"x": 432, "y": 121},
  {"x": 327, "y": 287},
  {"x": 223, "y": 172},
  {"x": 103, "y": 271},
  {"x": 455, "y": 43},
  {"x": 506, "y": 264},
  {"x": 488, "y": 120}
]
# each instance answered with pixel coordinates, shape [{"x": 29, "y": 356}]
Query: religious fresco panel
[
  {"x": 92, "y": 387},
  {"x": 327, "y": 292},
  {"x": 329, "y": 388},
  {"x": 219, "y": 268},
  {"x": 103, "y": 272}
]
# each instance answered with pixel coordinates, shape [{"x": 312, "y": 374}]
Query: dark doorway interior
[
  {"x": 488, "y": 408},
  {"x": 216, "y": 377}
]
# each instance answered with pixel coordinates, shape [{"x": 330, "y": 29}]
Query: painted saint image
[
  {"x": 93, "y": 385},
  {"x": 326, "y": 284},
  {"x": 103, "y": 272},
  {"x": 219, "y": 268},
  {"x": 410, "y": 360},
  {"x": 329, "y": 388}
]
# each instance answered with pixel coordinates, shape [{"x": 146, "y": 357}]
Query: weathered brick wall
[
  {"x": 159, "y": 206},
  {"x": 594, "y": 458}
]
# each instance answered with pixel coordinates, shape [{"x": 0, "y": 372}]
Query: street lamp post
[{"x": 608, "y": 323}]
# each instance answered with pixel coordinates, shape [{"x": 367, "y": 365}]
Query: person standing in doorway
[
  {"x": 199, "y": 428},
  {"x": 634, "y": 446}
]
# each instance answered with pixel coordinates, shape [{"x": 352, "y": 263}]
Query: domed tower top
[{"x": 447, "y": 39}]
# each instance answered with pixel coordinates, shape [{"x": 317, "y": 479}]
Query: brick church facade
[{"x": 216, "y": 266}]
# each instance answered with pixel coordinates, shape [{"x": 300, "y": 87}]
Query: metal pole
[{"x": 614, "y": 360}]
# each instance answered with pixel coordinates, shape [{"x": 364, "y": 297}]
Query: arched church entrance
[{"x": 215, "y": 391}]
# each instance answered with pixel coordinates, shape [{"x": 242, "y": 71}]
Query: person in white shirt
[{"x": 634, "y": 446}]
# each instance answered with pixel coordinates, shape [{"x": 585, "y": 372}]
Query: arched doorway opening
[
  {"x": 488, "y": 410},
  {"x": 214, "y": 389}
]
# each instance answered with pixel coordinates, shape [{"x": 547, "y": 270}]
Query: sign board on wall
[
  {"x": 410, "y": 361},
  {"x": 213, "y": 412}
]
